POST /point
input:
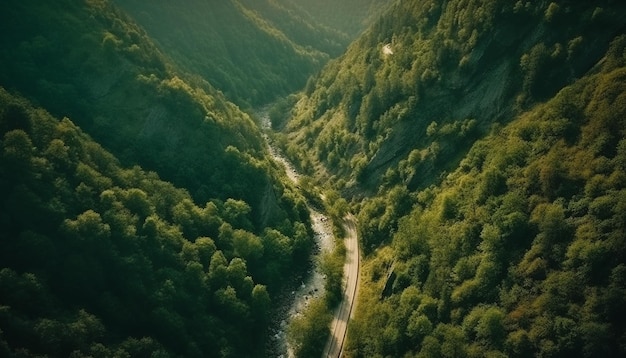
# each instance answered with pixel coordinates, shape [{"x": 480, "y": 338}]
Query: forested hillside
[
  {"x": 454, "y": 67},
  {"x": 350, "y": 17},
  {"x": 231, "y": 46},
  {"x": 141, "y": 213},
  {"x": 521, "y": 250},
  {"x": 89, "y": 61},
  {"x": 253, "y": 50},
  {"x": 481, "y": 144},
  {"x": 101, "y": 261}
]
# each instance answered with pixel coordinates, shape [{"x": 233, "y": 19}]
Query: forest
[
  {"x": 141, "y": 213},
  {"x": 102, "y": 261},
  {"x": 253, "y": 50},
  {"x": 484, "y": 157},
  {"x": 520, "y": 251},
  {"x": 480, "y": 144}
]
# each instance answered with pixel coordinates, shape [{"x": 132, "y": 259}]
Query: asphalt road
[{"x": 339, "y": 325}]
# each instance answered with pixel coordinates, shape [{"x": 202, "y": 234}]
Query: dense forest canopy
[
  {"x": 368, "y": 110},
  {"x": 481, "y": 144},
  {"x": 141, "y": 212},
  {"x": 102, "y": 261},
  {"x": 521, "y": 250},
  {"x": 89, "y": 61},
  {"x": 350, "y": 17}
]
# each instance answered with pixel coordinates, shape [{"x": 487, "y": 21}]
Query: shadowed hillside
[
  {"x": 234, "y": 47},
  {"x": 141, "y": 212},
  {"x": 90, "y": 62},
  {"x": 350, "y": 17},
  {"x": 98, "y": 260},
  {"x": 481, "y": 146},
  {"x": 253, "y": 51}
]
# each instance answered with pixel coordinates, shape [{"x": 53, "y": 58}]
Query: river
[{"x": 295, "y": 300}]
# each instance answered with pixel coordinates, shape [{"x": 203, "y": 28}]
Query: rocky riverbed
[{"x": 295, "y": 299}]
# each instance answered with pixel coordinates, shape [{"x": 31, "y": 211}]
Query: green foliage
[
  {"x": 279, "y": 112},
  {"x": 308, "y": 333},
  {"x": 350, "y": 16},
  {"x": 332, "y": 266},
  {"x": 113, "y": 81},
  {"x": 252, "y": 51},
  {"x": 519, "y": 250},
  {"x": 457, "y": 68},
  {"x": 489, "y": 147},
  {"x": 106, "y": 261}
]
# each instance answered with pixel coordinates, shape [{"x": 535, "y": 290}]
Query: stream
[{"x": 293, "y": 301}]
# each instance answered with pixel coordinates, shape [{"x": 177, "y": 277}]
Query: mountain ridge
[
  {"x": 253, "y": 51},
  {"x": 129, "y": 96}
]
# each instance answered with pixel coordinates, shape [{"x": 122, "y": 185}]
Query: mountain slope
[
  {"x": 142, "y": 214},
  {"x": 98, "y": 260},
  {"x": 253, "y": 51},
  {"x": 350, "y": 17},
  {"x": 298, "y": 25},
  {"x": 368, "y": 110},
  {"x": 520, "y": 251},
  {"x": 232, "y": 46},
  {"x": 481, "y": 144},
  {"x": 89, "y": 61}
]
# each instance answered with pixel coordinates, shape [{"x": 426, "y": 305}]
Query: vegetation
[
  {"x": 374, "y": 119},
  {"x": 164, "y": 231},
  {"x": 350, "y": 17},
  {"x": 482, "y": 155},
  {"x": 481, "y": 143},
  {"x": 110, "y": 78},
  {"x": 253, "y": 51},
  {"x": 103, "y": 261},
  {"x": 520, "y": 251},
  {"x": 309, "y": 331},
  {"x": 230, "y": 45}
]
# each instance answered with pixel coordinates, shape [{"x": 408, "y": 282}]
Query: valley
[
  {"x": 312, "y": 287},
  {"x": 312, "y": 284},
  {"x": 364, "y": 178}
]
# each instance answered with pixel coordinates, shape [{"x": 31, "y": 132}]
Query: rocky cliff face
[{"x": 452, "y": 65}]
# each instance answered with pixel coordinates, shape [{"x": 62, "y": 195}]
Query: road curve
[{"x": 339, "y": 326}]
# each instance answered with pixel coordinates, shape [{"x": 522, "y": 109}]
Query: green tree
[{"x": 308, "y": 332}]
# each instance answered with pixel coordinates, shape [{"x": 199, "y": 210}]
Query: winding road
[{"x": 343, "y": 313}]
